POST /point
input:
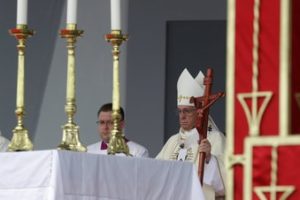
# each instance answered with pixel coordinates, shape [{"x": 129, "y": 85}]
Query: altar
[{"x": 66, "y": 175}]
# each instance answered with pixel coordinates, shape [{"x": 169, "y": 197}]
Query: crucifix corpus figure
[{"x": 202, "y": 104}]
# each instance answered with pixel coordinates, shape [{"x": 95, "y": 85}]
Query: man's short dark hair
[{"x": 108, "y": 108}]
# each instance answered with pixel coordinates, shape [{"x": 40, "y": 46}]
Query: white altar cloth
[{"x": 65, "y": 175}]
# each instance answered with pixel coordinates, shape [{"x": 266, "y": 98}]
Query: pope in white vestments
[
  {"x": 184, "y": 145},
  {"x": 105, "y": 125}
]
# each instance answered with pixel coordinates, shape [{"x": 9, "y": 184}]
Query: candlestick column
[
  {"x": 70, "y": 137},
  {"x": 20, "y": 140},
  {"x": 117, "y": 142}
]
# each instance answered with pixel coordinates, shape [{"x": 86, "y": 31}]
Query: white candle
[
  {"x": 115, "y": 6},
  {"x": 72, "y": 12},
  {"x": 22, "y": 12}
]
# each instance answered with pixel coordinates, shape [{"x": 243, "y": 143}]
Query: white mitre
[
  {"x": 187, "y": 87},
  {"x": 200, "y": 80}
]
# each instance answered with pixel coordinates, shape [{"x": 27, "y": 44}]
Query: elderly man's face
[{"x": 187, "y": 117}]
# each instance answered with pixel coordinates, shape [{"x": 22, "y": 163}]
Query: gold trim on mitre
[{"x": 187, "y": 87}]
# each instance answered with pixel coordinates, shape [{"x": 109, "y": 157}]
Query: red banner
[{"x": 263, "y": 101}]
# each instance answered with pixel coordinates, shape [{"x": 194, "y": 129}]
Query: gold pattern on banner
[
  {"x": 236, "y": 159},
  {"x": 255, "y": 115},
  {"x": 273, "y": 189},
  {"x": 254, "y": 104},
  {"x": 230, "y": 97}
]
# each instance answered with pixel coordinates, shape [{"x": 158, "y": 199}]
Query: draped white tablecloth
[{"x": 64, "y": 175}]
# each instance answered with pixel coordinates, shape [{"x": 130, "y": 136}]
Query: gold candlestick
[
  {"x": 70, "y": 138},
  {"x": 117, "y": 142},
  {"x": 20, "y": 140}
]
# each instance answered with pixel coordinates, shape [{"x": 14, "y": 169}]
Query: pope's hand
[{"x": 206, "y": 148}]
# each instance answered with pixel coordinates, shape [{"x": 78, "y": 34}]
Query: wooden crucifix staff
[{"x": 202, "y": 105}]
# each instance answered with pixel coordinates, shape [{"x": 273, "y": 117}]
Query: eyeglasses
[
  {"x": 101, "y": 123},
  {"x": 185, "y": 111}
]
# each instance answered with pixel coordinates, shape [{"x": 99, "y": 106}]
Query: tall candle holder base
[
  {"x": 70, "y": 138},
  {"x": 20, "y": 140},
  {"x": 117, "y": 142}
]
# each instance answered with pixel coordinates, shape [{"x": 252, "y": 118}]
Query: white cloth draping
[
  {"x": 214, "y": 171},
  {"x": 64, "y": 175},
  {"x": 3, "y": 143},
  {"x": 135, "y": 149}
]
